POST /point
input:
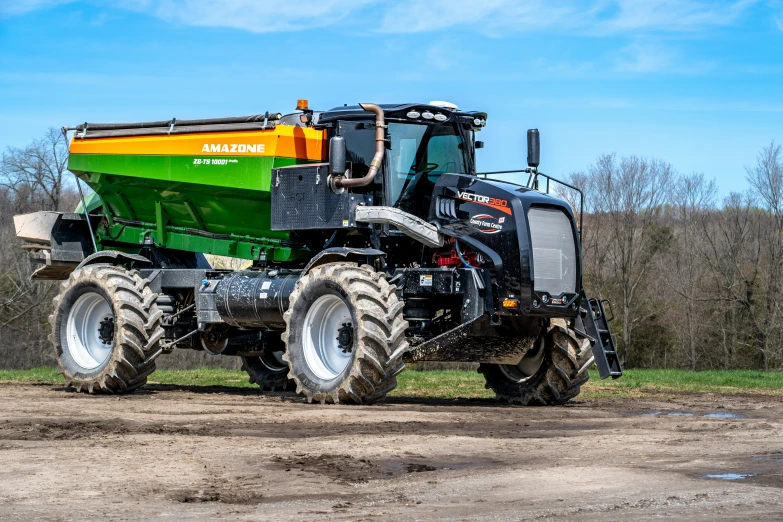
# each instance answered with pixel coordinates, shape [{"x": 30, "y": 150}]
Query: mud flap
[{"x": 596, "y": 327}]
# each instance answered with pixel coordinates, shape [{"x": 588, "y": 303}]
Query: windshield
[{"x": 419, "y": 155}]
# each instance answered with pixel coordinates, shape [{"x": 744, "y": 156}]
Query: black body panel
[
  {"x": 397, "y": 111},
  {"x": 302, "y": 200},
  {"x": 491, "y": 217}
]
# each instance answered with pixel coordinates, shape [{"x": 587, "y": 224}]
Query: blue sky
[{"x": 698, "y": 84}]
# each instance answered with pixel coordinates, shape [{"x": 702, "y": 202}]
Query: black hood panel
[{"x": 491, "y": 216}]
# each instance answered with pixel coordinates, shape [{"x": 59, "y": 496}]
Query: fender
[
  {"x": 331, "y": 255},
  {"x": 112, "y": 257}
]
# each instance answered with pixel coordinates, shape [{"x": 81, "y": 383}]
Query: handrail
[{"x": 532, "y": 183}]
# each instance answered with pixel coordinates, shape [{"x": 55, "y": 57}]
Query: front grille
[{"x": 554, "y": 251}]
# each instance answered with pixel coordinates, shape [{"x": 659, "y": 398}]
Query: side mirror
[
  {"x": 479, "y": 144},
  {"x": 337, "y": 156},
  {"x": 533, "y": 148}
]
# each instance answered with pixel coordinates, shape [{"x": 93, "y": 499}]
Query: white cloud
[
  {"x": 776, "y": 6},
  {"x": 18, "y": 7},
  {"x": 546, "y": 67},
  {"x": 674, "y": 15},
  {"x": 640, "y": 58},
  {"x": 257, "y": 16},
  {"x": 491, "y": 17},
  {"x": 651, "y": 58},
  {"x": 498, "y": 17},
  {"x": 441, "y": 55}
]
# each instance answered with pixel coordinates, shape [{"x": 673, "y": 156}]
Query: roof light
[
  {"x": 427, "y": 115},
  {"x": 413, "y": 114},
  {"x": 444, "y": 105},
  {"x": 477, "y": 122},
  {"x": 301, "y": 105},
  {"x": 483, "y": 122},
  {"x": 441, "y": 117}
]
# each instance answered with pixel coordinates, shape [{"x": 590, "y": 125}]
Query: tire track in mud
[{"x": 181, "y": 453}]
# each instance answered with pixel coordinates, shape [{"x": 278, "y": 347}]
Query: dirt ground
[{"x": 179, "y": 453}]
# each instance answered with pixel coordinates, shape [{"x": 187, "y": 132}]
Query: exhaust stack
[{"x": 380, "y": 149}]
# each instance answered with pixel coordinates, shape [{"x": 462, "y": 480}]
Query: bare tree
[
  {"x": 32, "y": 178},
  {"x": 694, "y": 197},
  {"x": 766, "y": 177},
  {"x": 36, "y": 174},
  {"x": 628, "y": 196},
  {"x": 732, "y": 256}
]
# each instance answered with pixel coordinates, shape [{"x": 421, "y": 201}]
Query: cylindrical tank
[{"x": 255, "y": 299}]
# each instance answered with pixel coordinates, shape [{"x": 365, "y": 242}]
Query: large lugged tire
[
  {"x": 105, "y": 329},
  {"x": 345, "y": 334},
  {"x": 551, "y": 373},
  {"x": 269, "y": 373}
]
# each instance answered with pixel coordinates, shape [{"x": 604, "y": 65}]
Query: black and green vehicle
[{"x": 370, "y": 241}]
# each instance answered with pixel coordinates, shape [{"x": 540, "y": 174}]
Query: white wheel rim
[
  {"x": 274, "y": 362},
  {"x": 84, "y": 342},
  {"x": 527, "y": 367},
  {"x": 322, "y": 351}
]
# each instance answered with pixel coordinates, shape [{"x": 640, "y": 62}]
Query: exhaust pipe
[{"x": 380, "y": 149}]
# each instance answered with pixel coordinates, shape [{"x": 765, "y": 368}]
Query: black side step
[{"x": 596, "y": 326}]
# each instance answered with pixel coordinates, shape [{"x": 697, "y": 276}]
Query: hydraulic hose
[
  {"x": 459, "y": 254},
  {"x": 380, "y": 149}
]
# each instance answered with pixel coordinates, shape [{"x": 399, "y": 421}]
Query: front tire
[
  {"x": 345, "y": 334},
  {"x": 105, "y": 330},
  {"x": 268, "y": 371},
  {"x": 551, "y": 373}
]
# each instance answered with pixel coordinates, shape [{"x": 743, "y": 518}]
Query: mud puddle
[
  {"x": 728, "y": 476},
  {"x": 348, "y": 469},
  {"x": 709, "y": 415},
  {"x": 764, "y": 470}
]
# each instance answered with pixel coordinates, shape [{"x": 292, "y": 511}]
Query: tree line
[{"x": 695, "y": 279}]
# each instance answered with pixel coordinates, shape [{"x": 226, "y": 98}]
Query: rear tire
[
  {"x": 268, "y": 372},
  {"x": 105, "y": 330},
  {"x": 551, "y": 374},
  {"x": 345, "y": 334}
]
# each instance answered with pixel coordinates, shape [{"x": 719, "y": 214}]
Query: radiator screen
[{"x": 554, "y": 251}]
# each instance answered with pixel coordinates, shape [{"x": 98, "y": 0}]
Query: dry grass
[{"x": 450, "y": 384}]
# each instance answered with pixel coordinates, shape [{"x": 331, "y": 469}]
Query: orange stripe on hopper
[{"x": 282, "y": 141}]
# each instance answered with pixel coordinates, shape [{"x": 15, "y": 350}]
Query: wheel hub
[
  {"x": 106, "y": 330},
  {"x": 214, "y": 340},
  {"x": 345, "y": 338}
]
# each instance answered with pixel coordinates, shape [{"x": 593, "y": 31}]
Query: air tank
[{"x": 251, "y": 299}]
